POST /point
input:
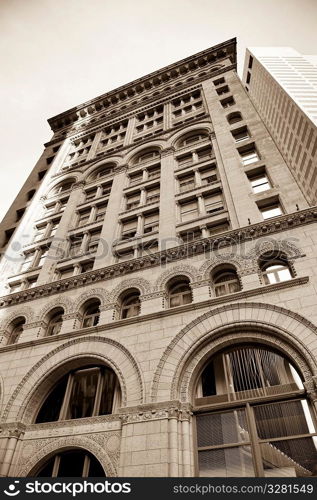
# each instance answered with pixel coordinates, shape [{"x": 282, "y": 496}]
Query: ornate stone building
[{"x": 158, "y": 310}]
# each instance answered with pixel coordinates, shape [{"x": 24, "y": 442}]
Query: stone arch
[
  {"x": 206, "y": 269},
  {"x": 182, "y": 269},
  {"x": 38, "y": 381},
  {"x": 60, "y": 444},
  {"x": 23, "y": 311},
  {"x": 94, "y": 293},
  {"x": 270, "y": 324},
  {"x": 63, "y": 302},
  {"x": 203, "y": 126},
  {"x": 271, "y": 245},
  {"x": 140, "y": 283}
]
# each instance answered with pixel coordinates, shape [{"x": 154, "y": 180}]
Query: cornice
[
  {"x": 229, "y": 238},
  {"x": 77, "y": 335},
  {"x": 210, "y": 56}
]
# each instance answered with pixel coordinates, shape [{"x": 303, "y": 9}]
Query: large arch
[
  {"x": 228, "y": 324},
  {"x": 43, "y": 451},
  {"x": 35, "y": 385}
]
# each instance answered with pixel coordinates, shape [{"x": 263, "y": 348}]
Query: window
[
  {"x": 89, "y": 391},
  {"x": 153, "y": 195},
  {"x": 101, "y": 212},
  {"x": 30, "y": 194},
  {"x": 146, "y": 156},
  {"x": 192, "y": 138},
  {"x": 248, "y": 77},
  {"x": 87, "y": 266},
  {"x": 234, "y": 118},
  {"x": 249, "y": 155},
  {"x": 189, "y": 210},
  {"x": 91, "y": 313},
  {"x": 250, "y": 62},
  {"x": 61, "y": 188},
  {"x": 186, "y": 182},
  {"x": 240, "y": 134},
  {"x": 93, "y": 241},
  {"x": 204, "y": 154},
  {"x": 151, "y": 222},
  {"x": 28, "y": 261},
  {"x": 226, "y": 103},
  {"x": 91, "y": 194},
  {"x": 67, "y": 272},
  {"x": 259, "y": 183},
  {"x": 275, "y": 268},
  {"x": 20, "y": 214},
  {"x": 191, "y": 235},
  {"x": 136, "y": 178},
  {"x": 213, "y": 203},
  {"x": 223, "y": 90},
  {"x": 15, "y": 287},
  {"x": 71, "y": 463},
  {"x": 270, "y": 211},
  {"x": 129, "y": 229},
  {"x": 83, "y": 217},
  {"x": 16, "y": 329},
  {"x": 225, "y": 281},
  {"x": 55, "y": 320},
  {"x": 154, "y": 173},
  {"x": 41, "y": 174},
  {"x": 130, "y": 304},
  {"x": 208, "y": 175},
  {"x": 42, "y": 256},
  {"x": 220, "y": 81},
  {"x": 179, "y": 292},
  {"x": 267, "y": 437},
  {"x": 133, "y": 200}
]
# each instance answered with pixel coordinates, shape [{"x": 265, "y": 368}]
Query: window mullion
[
  {"x": 100, "y": 384},
  {"x": 86, "y": 465},
  {"x": 65, "y": 405},
  {"x": 255, "y": 446},
  {"x": 56, "y": 465}
]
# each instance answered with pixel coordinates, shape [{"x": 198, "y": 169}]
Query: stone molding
[
  {"x": 187, "y": 270},
  {"x": 235, "y": 237},
  {"x": 212, "y": 302},
  {"x": 33, "y": 453},
  {"x": 147, "y": 412}
]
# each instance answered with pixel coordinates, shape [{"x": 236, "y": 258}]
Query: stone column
[
  {"x": 167, "y": 224},
  {"x": 129, "y": 132},
  {"x": 58, "y": 244},
  {"x": 167, "y": 116},
  {"x": 235, "y": 186},
  {"x": 94, "y": 146},
  {"x": 104, "y": 254},
  {"x": 12, "y": 438}
]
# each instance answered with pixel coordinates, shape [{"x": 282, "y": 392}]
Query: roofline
[{"x": 232, "y": 41}]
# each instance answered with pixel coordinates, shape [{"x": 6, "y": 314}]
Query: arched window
[
  {"x": 87, "y": 392},
  {"x": 130, "y": 304},
  {"x": 234, "y": 117},
  {"x": 146, "y": 155},
  {"x": 275, "y": 268},
  {"x": 16, "y": 328},
  {"x": 71, "y": 463},
  {"x": 263, "y": 426},
  {"x": 55, "y": 320},
  {"x": 179, "y": 292},
  {"x": 63, "y": 187},
  {"x": 225, "y": 280},
  {"x": 91, "y": 313},
  {"x": 192, "y": 138},
  {"x": 101, "y": 172}
]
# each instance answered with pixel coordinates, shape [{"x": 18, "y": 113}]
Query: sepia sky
[{"x": 55, "y": 54}]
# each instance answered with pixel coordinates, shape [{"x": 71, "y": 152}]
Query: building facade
[
  {"x": 158, "y": 310},
  {"x": 282, "y": 84}
]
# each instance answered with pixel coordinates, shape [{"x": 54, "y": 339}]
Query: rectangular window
[
  {"x": 226, "y": 103},
  {"x": 186, "y": 183},
  {"x": 43, "y": 255},
  {"x": 133, "y": 200},
  {"x": 125, "y": 254},
  {"x": 223, "y": 90},
  {"x": 240, "y": 134},
  {"x": 129, "y": 229},
  {"x": 270, "y": 211},
  {"x": 189, "y": 210},
  {"x": 191, "y": 235},
  {"x": 220, "y": 81},
  {"x": 249, "y": 155},
  {"x": 83, "y": 217},
  {"x": 151, "y": 222},
  {"x": 101, "y": 212},
  {"x": 86, "y": 266},
  {"x": 154, "y": 173},
  {"x": 93, "y": 241},
  {"x": 213, "y": 203},
  {"x": 136, "y": 178},
  {"x": 153, "y": 195},
  {"x": 208, "y": 175},
  {"x": 259, "y": 183},
  {"x": 91, "y": 194},
  {"x": 28, "y": 261}
]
